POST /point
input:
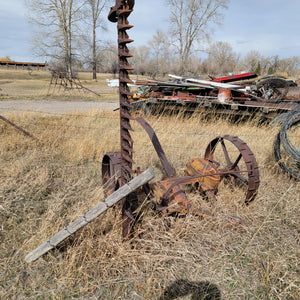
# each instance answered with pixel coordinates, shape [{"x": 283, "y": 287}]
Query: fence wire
[
  {"x": 39, "y": 124},
  {"x": 103, "y": 129}
]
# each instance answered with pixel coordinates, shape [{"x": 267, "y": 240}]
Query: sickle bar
[{"x": 119, "y": 14}]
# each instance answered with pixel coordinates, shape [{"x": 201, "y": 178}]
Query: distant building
[{"x": 9, "y": 64}]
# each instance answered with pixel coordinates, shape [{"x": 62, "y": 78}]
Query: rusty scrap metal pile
[{"x": 240, "y": 94}]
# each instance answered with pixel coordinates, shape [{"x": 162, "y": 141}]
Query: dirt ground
[{"x": 56, "y": 106}]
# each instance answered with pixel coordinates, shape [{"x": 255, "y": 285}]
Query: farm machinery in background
[{"x": 237, "y": 95}]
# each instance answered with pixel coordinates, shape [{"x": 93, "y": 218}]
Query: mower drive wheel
[{"x": 232, "y": 157}]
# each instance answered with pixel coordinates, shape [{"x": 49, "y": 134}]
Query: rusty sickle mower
[{"x": 238, "y": 167}]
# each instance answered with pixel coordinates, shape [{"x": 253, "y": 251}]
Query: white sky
[{"x": 270, "y": 26}]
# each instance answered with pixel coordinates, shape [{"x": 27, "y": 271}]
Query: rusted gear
[
  {"x": 203, "y": 166},
  {"x": 238, "y": 163}
]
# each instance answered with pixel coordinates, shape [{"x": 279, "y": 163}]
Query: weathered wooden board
[{"x": 115, "y": 197}]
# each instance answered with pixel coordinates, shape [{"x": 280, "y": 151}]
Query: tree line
[
  {"x": 220, "y": 60},
  {"x": 68, "y": 34}
]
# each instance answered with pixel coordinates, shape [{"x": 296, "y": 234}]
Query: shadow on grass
[{"x": 198, "y": 290}]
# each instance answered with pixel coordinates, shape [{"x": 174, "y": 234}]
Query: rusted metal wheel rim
[
  {"x": 248, "y": 174},
  {"x": 110, "y": 172}
]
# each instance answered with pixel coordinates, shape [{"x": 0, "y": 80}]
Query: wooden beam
[{"x": 99, "y": 209}]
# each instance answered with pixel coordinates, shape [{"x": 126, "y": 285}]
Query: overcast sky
[{"x": 270, "y": 26}]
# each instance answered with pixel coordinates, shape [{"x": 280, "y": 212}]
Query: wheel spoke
[
  {"x": 226, "y": 154},
  {"x": 216, "y": 163},
  {"x": 240, "y": 177},
  {"x": 234, "y": 165}
]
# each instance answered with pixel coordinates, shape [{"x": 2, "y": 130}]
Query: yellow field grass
[
  {"x": 47, "y": 184},
  {"x": 21, "y": 84}
]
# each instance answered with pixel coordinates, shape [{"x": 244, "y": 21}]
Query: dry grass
[
  {"x": 21, "y": 84},
  {"x": 48, "y": 184}
]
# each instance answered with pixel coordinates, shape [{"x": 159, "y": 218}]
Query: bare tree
[
  {"x": 159, "y": 46},
  {"x": 221, "y": 58},
  {"x": 141, "y": 59},
  {"x": 55, "y": 22},
  {"x": 110, "y": 63},
  {"x": 252, "y": 61},
  {"x": 191, "y": 20},
  {"x": 274, "y": 64},
  {"x": 95, "y": 8},
  {"x": 289, "y": 65}
]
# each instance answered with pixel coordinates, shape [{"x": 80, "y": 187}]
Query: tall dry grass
[{"x": 45, "y": 185}]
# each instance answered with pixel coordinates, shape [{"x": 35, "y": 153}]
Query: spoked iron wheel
[{"x": 232, "y": 157}]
